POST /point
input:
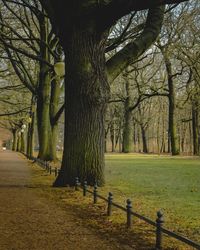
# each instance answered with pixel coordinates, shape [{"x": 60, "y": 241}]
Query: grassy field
[{"x": 152, "y": 182}]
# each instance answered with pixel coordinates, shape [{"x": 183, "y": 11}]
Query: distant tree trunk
[
  {"x": 127, "y": 130},
  {"x": 144, "y": 139},
  {"x": 118, "y": 137},
  {"x": 112, "y": 136},
  {"x": 14, "y": 144},
  {"x": 127, "y": 135},
  {"x": 171, "y": 97},
  {"x": 19, "y": 143},
  {"x": 30, "y": 135},
  {"x": 22, "y": 142},
  {"x": 105, "y": 143},
  {"x": 106, "y": 137},
  {"x": 195, "y": 127},
  {"x": 87, "y": 92},
  {"x": 158, "y": 137}
]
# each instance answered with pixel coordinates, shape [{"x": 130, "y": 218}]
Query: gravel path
[{"x": 30, "y": 221}]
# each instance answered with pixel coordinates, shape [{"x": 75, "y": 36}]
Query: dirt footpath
[{"x": 30, "y": 221}]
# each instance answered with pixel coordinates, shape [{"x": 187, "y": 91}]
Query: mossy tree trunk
[
  {"x": 43, "y": 95},
  {"x": 47, "y": 117},
  {"x": 86, "y": 93},
  {"x": 43, "y": 121},
  {"x": 54, "y": 110},
  {"x": 48, "y": 94}
]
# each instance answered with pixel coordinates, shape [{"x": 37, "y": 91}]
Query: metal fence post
[
  {"x": 84, "y": 188},
  {"x": 159, "y": 223},
  {"x": 95, "y": 193},
  {"x": 128, "y": 209},
  {"x": 110, "y": 199},
  {"x": 76, "y": 183}
]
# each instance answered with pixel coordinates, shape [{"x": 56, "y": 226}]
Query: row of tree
[{"x": 122, "y": 68}]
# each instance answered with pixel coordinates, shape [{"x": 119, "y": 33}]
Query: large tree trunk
[
  {"x": 86, "y": 95},
  {"x": 43, "y": 118},
  {"x": 54, "y": 107},
  {"x": 47, "y": 108},
  {"x": 47, "y": 102}
]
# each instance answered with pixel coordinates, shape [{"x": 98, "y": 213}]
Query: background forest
[{"x": 154, "y": 103}]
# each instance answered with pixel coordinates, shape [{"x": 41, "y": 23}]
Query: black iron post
[
  {"x": 95, "y": 193},
  {"x": 110, "y": 199},
  {"x": 159, "y": 224},
  {"x": 84, "y": 188},
  {"x": 128, "y": 209}
]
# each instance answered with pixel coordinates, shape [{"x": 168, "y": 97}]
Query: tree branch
[
  {"x": 133, "y": 50},
  {"x": 16, "y": 112},
  {"x": 58, "y": 114}
]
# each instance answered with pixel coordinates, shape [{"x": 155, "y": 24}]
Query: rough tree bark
[{"x": 86, "y": 92}]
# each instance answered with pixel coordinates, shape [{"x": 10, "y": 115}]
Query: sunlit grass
[{"x": 158, "y": 182}]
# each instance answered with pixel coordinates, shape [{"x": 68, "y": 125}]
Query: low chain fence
[{"x": 158, "y": 224}]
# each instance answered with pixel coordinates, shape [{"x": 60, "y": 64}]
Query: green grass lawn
[{"x": 158, "y": 182}]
